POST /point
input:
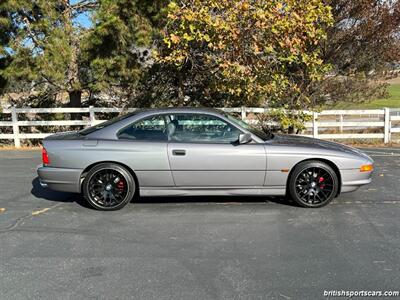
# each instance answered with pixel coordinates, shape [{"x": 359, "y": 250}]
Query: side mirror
[{"x": 244, "y": 138}]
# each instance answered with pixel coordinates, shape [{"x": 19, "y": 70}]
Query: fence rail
[{"x": 380, "y": 120}]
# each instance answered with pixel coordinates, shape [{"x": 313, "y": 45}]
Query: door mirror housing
[{"x": 244, "y": 138}]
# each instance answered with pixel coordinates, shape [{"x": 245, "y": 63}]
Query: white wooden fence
[{"x": 380, "y": 120}]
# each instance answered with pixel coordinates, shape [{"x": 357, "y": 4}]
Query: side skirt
[{"x": 207, "y": 191}]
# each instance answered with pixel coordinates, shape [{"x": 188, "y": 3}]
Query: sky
[{"x": 82, "y": 19}]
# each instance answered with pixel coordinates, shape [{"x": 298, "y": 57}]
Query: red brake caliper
[
  {"x": 120, "y": 185},
  {"x": 321, "y": 180}
]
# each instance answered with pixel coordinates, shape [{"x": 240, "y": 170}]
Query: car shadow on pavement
[
  {"x": 47, "y": 194},
  {"x": 44, "y": 193}
]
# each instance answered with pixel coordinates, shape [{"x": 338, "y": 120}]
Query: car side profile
[{"x": 196, "y": 151}]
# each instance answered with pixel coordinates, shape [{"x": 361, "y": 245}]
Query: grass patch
[{"x": 392, "y": 101}]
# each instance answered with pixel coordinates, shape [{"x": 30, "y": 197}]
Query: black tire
[
  {"x": 108, "y": 186},
  {"x": 313, "y": 184}
]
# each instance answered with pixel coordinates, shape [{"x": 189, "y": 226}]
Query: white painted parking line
[
  {"x": 367, "y": 202},
  {"x": 380, "y": 148},
  {"x": 381, "y": 153},
  {"x": 384, "y": 155}
]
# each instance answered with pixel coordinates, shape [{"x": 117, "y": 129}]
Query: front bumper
[
  {"x": 353, "y": 179},
  {"x": 60, "y": 179}
]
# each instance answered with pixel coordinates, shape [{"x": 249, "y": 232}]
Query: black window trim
[
  {"x": 138, "y": 120},
  {"x": 207, "y": 143},
  {"x": 181, "y": 142}
]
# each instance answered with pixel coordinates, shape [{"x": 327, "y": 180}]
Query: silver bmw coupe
[{"x": 194, "y": 151}]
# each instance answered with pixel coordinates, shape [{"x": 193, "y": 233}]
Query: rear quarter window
[{"x": 148, "y": 129}]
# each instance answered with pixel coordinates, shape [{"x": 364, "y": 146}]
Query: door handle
[{"x": 179, "y": 152}]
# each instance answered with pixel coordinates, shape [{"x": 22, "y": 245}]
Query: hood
[{"x": 298, "y": 140}]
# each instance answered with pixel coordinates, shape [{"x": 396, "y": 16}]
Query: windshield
[
  {"x": 91, "y": 129},
  {"x": 257, "y": 132}
]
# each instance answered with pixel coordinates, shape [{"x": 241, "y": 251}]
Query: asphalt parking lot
[{"x": 53, "y": 247}]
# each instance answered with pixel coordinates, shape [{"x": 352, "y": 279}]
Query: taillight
[{"x": 45, "y": 157}]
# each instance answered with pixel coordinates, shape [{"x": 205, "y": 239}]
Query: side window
[
  {"x": 152, "y": 128},
  {"x": 201, "y": 128}
]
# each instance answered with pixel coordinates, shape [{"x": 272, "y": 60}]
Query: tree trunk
[
  {"x": 74, "y": 86},
  {"x": 75, "y": 100}
]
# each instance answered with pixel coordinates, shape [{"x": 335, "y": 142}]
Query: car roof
[
  {"x": 164, "y": 110},
  {"x": 179, "y": 109}
]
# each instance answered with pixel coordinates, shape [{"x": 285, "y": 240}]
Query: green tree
[
  {"x": 45, "y": 44},
  {"x": 50, "y": 47},
  {"x": 224, "y": 52},
  {"x": 361, "y": 45},
  {"x": 5, "y": 30},
  {"x": 119, "y": 46},
  {"x": 3, "y": 81}
]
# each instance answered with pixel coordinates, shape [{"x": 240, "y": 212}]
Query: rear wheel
[
  {"x": 313, "y": 184},
  {"x": 108, "y": 186}
]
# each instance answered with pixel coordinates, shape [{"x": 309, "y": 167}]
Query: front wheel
[
  {"x": 313, "y": 184},
  {"x": 108, "y": 186}
]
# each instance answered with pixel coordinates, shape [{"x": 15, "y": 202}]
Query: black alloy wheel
[
  {"x": 108, "y": 187},
  {"x": 313, "y": 184}
]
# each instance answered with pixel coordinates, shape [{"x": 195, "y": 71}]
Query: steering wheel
[{"x": 225, "y": 132}]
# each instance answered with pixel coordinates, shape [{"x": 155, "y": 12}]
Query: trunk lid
[{"x": 68, "y": 135}]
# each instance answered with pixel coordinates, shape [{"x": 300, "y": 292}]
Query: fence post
[
  {"x": 387, "y": 125},
  {"x": 243, "y": 113},
  {"x": 341, "y": 123},
  {"x": 91, "y": 115},
  {"x": 315, "y": 124},
  {"x": 14, "y": 119}
]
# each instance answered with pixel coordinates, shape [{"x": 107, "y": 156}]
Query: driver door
[{"x": 203, "y": 152}]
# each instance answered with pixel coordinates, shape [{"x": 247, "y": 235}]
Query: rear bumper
[
  {"x": 353, "y": 179},
  {"x": 60, "y": 179}
]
